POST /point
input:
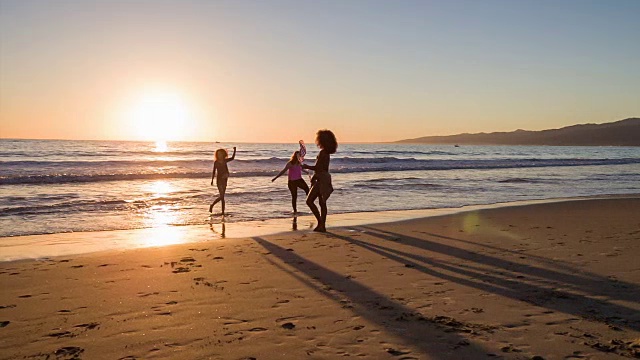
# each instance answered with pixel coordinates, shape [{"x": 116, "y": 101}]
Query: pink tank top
[{"x": 295, "y": 172}]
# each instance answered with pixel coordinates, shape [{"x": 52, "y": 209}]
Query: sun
[{"x": 160, "y": 116}]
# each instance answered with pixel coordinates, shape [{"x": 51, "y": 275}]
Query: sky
[{"x": 276, "y": 71}]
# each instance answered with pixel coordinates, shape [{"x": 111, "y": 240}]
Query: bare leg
[
  {"x": 214, "y": 202},
  {"x": 222, "y": 188},
  {"x": 323, "y": 211},
  {"x": 313, "y": 194}
]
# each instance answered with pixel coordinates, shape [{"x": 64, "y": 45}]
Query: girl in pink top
[{"x": 295, "y": 178}]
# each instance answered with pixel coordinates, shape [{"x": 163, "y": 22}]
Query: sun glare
[
  {"x": 160, "y": 116},
  {"x": 161, "y": 146}
]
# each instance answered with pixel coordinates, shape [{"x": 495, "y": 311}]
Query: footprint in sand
[
  {"x": 88, "y": 326},
  {"x": 279, "y": 303},
  {"x": 510, "y": 349},
  {"x": 396, "y": 352},
  {"x": 61, "y": 334},
  {"x": 72, "y": 351}
]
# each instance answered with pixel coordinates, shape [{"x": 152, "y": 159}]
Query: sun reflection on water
[
  {"x": 161, "y": 146},
  {"x": 162, "y": 218},
  {"x": 160, "y": 188}
]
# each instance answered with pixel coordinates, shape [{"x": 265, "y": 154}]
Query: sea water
[{"x": 54, "y": 186}]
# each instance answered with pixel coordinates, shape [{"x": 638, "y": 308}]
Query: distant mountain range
[{"x": 619, "y": 133}]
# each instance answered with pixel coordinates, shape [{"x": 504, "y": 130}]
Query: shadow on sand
[
  {"x": 569, "y": 291},
  {"x": 439, "y": 337}
]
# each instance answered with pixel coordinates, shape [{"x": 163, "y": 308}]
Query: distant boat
[{"x": 456, "y": 145}]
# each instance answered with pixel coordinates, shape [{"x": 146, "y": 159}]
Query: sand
[{"x": 553, "y": 281}]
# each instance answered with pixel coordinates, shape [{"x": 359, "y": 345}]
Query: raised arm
[
  {"x": 286, "y": 167},
  {"x": 232, "y": 156}
]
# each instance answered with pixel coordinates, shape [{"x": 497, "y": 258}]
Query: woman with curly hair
[{"x": 321, "y": 187}]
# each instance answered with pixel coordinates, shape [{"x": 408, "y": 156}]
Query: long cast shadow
[
  {"x": 541, "y": 259},
  {"x": 517, "y": 279},
  {"x": 582, "y": 281},
  {"x": 438, "y": 337}
]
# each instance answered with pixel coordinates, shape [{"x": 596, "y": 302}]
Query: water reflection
[
  {"x": 160, "y": 188},
  {"x": 164, "y": 235},
  {"x": 161, "y": 218},
  {"x": 222, "y": 232}
]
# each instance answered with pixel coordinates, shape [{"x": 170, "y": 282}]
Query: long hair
[
  {"x": 220, "y": 154},
  {"x": 326, "y": 140},
  {"x": 295, "y": 158}
]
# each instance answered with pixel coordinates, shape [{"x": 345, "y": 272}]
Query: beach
[{"x": 553, "y": 280}]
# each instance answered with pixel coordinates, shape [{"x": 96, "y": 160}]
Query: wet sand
[{"x": 555, "y": 281}]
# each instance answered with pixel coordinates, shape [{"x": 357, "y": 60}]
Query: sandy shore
[{"x": 553, "y": 281}]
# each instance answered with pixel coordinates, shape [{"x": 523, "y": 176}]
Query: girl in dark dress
[{"x": 321, "y": 187}]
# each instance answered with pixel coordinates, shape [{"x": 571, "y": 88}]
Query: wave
[
  {"x": 406, "y": 152},
  {"x": 518, "y": 181},
  {"x": 74, "y": 205},
  {"x": 267, "y": 167},
  {"x": 344, "y": 160}
]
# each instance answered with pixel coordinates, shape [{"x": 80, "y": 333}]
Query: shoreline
[{"x": 44, "y": 246}]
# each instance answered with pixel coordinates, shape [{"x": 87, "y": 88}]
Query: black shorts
[{"x": 295, "y": 184}]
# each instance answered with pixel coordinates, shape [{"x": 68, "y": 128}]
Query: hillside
[{"x": 619, "y": 133}]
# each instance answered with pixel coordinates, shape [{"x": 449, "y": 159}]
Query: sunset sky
[{"x": 275, "y": 71}]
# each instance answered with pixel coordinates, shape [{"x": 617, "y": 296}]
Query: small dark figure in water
[
  {"x": 221, "y": 158},
  {"x": 295, "y": 178},
  {"x": 321, "y": 187}
]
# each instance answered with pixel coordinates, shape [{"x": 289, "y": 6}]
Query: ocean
[{"x": 56, "y": 186}]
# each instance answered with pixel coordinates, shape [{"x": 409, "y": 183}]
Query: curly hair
[
  {"x": 220, "y": 154},
  {"x": 326, "y": 140}
]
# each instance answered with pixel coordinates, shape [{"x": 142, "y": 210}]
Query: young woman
[
  {"x": 221, "y": 158},
  {"x": 321, "y": 187},
  {"x": 295, "y": 178}
]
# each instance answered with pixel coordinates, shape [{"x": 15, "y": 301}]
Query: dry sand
[{"x": 552, "y": 281}]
